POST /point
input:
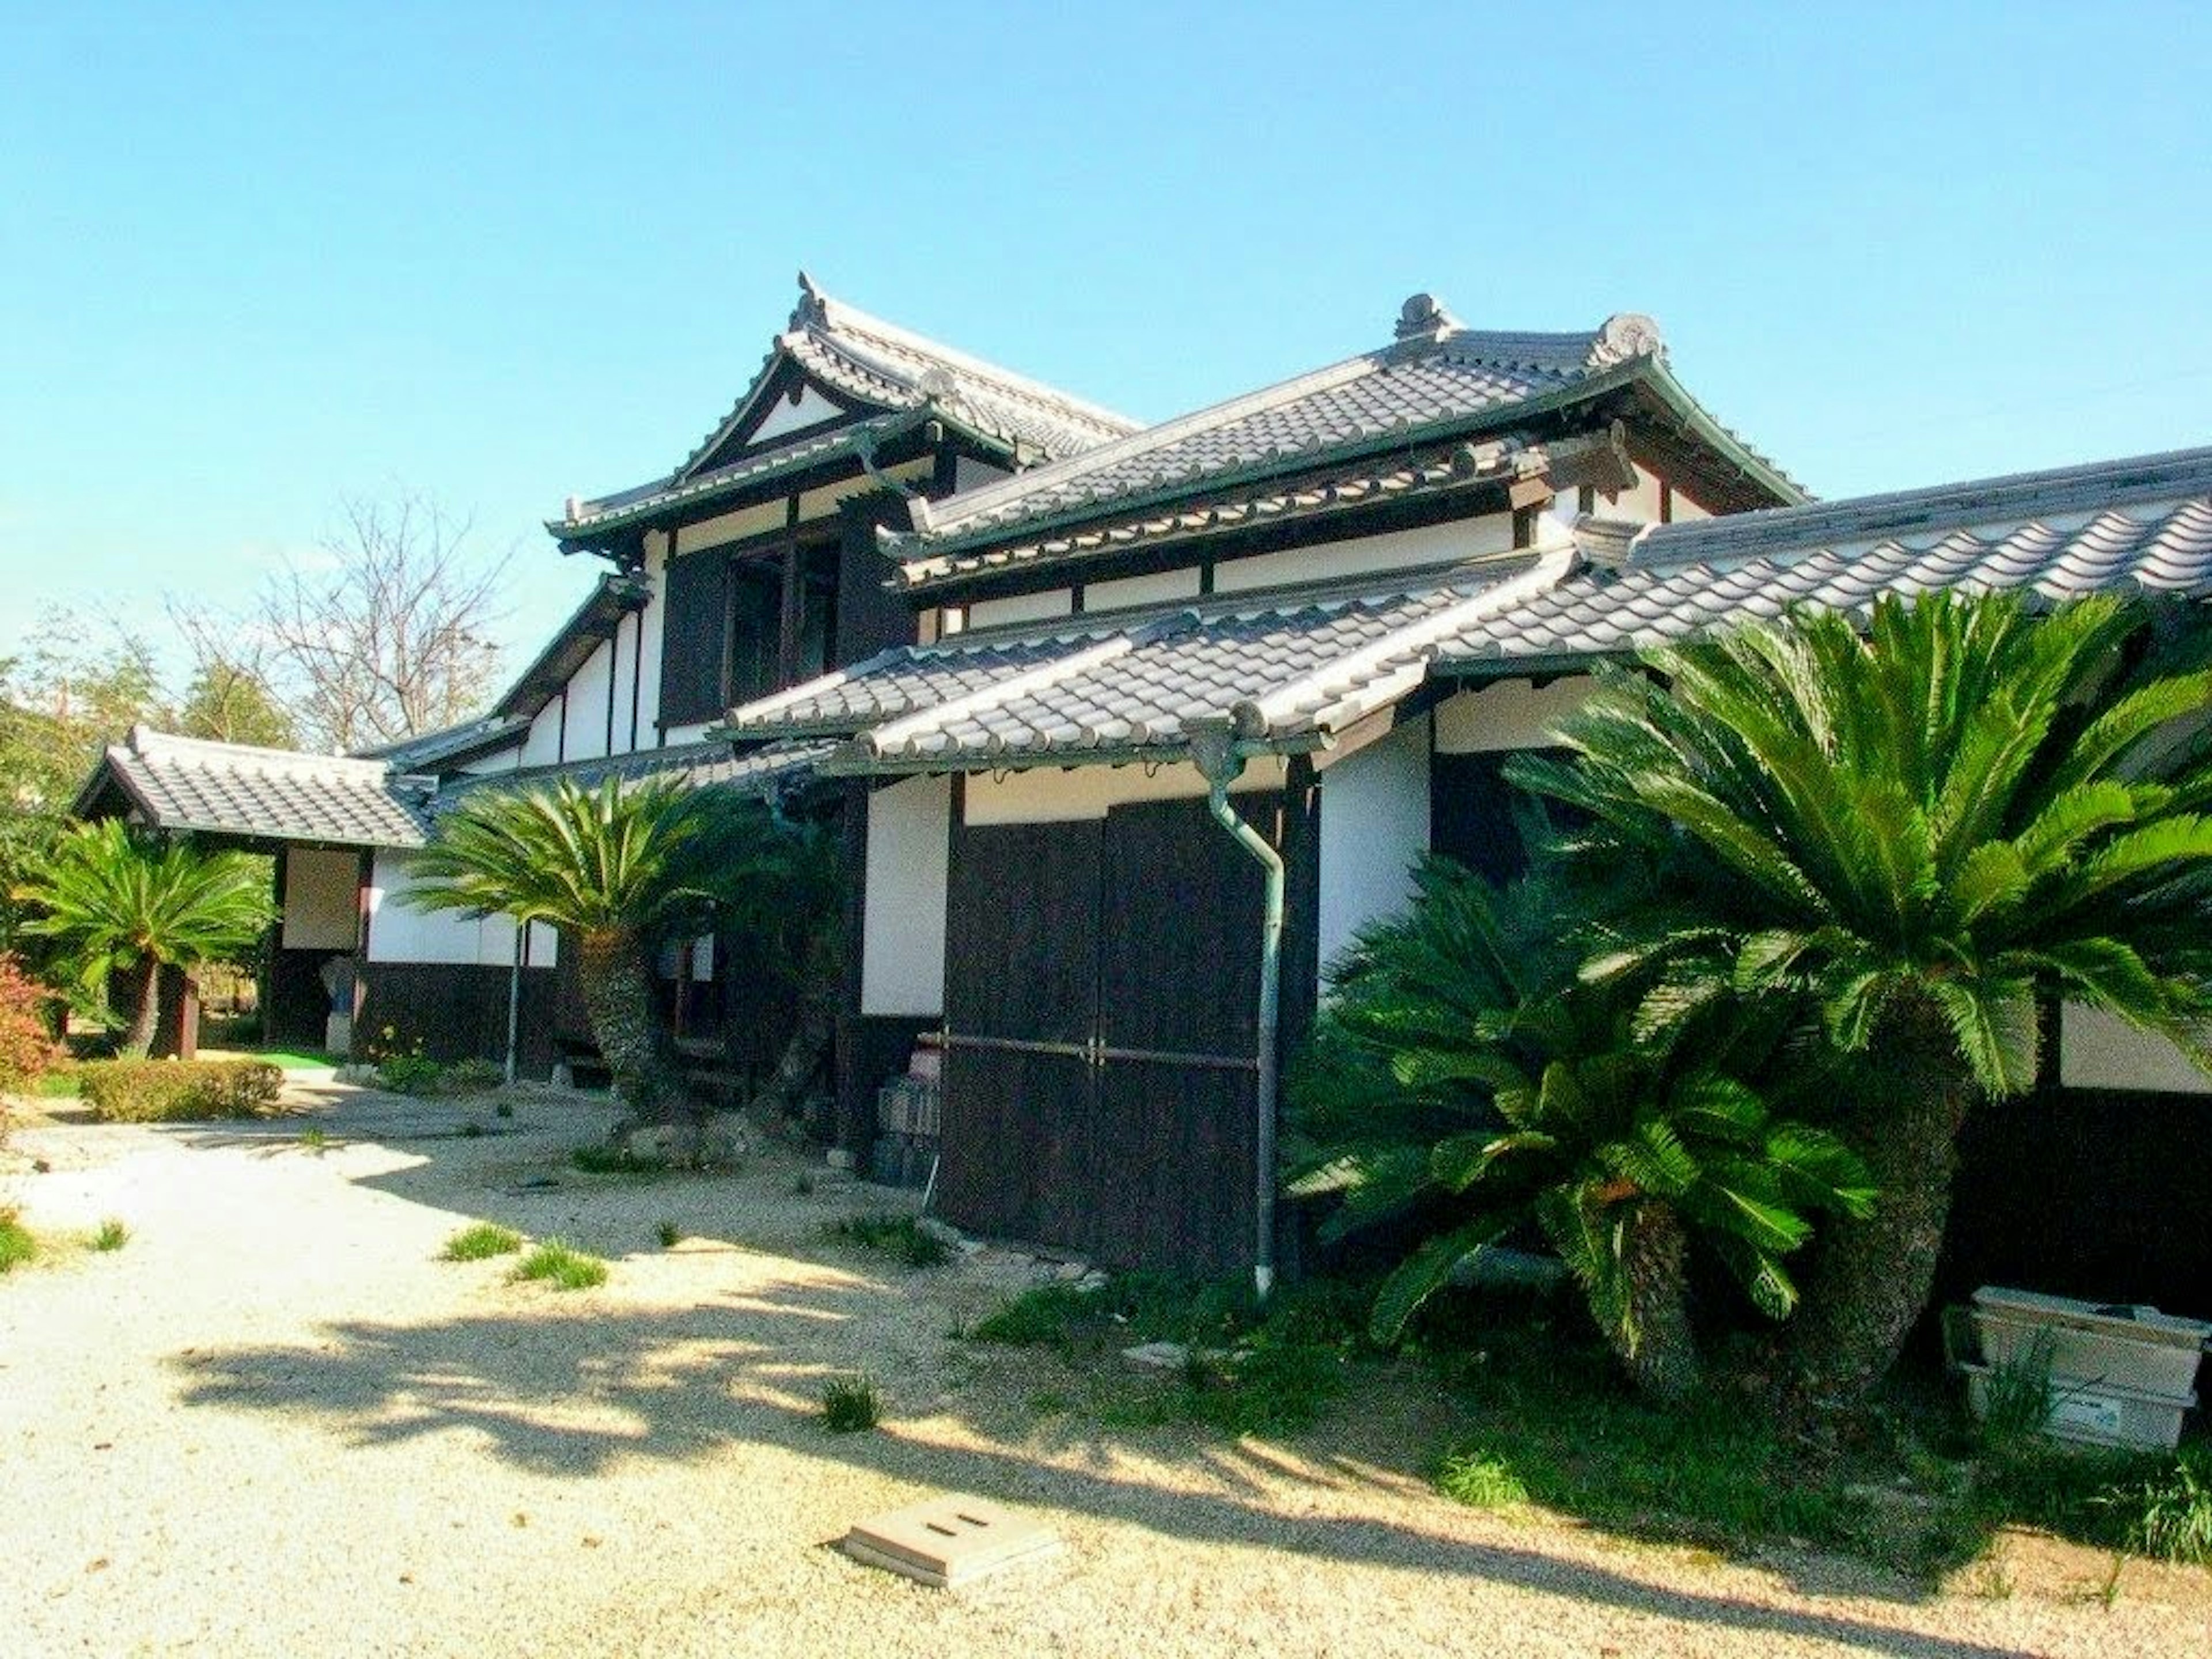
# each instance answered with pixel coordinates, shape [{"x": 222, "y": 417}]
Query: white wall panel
[
  {"x": 1048, "y": 795},
  {"x": 1158, "y": 588},
  {"x": 2097, "y": 1051},
  {"x": 1398, "y": 550},
  {"x": 1374, "y": 825},
  {"x": 902, "y": 957},
  {"x": 1020, "y": 608},
  {"x": 1507, "y": 715},
  {"x": 398, "y": 932}
]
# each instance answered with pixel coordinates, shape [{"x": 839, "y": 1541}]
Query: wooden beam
[{"x": 794, "y": 597}]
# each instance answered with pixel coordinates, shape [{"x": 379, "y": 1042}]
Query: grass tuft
[
  {"x": 562, "y": 1265},
  {"x": 314, "y": 1140},
  {"x": 1480, "y": 1482},
  {"x": 668, "y": 1234},
  {"x": 16, "y": 1244},
  {"x": 850, "y": 1405},
  {"x": 480, "y": 1242},
  {"x": 899, "y": 1236},
  {"x": 111, "y": 1235}
]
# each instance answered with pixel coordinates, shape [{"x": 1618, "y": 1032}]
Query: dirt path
[{"x": 274, "y": 1423}]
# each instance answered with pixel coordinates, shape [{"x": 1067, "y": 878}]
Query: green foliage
[
  {"x": 595, "y": 1158},
  {"x": 668, "y": 1234},
  {"x": 1970, "y": 801},
  {"x": 28, "y": 1049},
  {"x": 110, "y": 1236},
  {"x": 1908, "y": 836},
  {"x": 899, "y": 1236},
  {"x": 1481, "y": 1480},
  {"x": 480, "y": 1242},
  {"x": 413, "y": 1073},
  {"x": 563, "y": 1266},
  {"x": 473, "y": 1076},
  {"x": 230, "y": 701},
  {"x": 16, "y": 1244},
  {"x": 2016, "y": 1399},
  {"x": 115, "y": 901},
  {"x": 1469, "y": 1083},
  {"x": 1044, "y": 1315},
  {"x": 178, "y": 1090},
  {"x": 2165, "y": 1513},
  {"x": 850, "y": 1405}
]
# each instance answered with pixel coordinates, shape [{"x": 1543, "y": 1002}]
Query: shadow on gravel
[{"x": 571, "y": 1394}]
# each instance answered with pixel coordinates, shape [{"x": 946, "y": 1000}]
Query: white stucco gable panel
[
  {"x": 1508, "y": 714},
  {"x": 1374, "y": 826},
  {"x": 909, "y": 849}
]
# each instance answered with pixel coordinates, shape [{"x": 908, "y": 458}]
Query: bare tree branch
[{"x": 395, "y": 639}]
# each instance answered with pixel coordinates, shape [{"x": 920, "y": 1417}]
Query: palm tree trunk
[
  {"x": 146, "y": 1010},
  {"x": 801, "y": 1058},
  {"x": 1866, "y": 1283},
  {"x": 1661, "y": 1358},
  {"x": 618, "y": 999}
]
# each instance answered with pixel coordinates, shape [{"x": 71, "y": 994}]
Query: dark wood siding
[
  {"x": 458, "y": 1011},
  {"x": 694, "y": 634},
  {"x": 869, "y": 617},
  {"x": 1120, "y": 958}
]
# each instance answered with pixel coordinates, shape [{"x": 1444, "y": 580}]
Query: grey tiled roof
[
  {"x": 1275, "y": 669},
  {"x": 887, "y": 368},
  {"x": 431, "y": 750},
  {"x": 1438, "y": 379},
  {"x": 774, "y": 767},
  {"x": 2143, "y": 525},
  {"x": 908, "y": 678},
  {"x": 1433, "y": 470},
  {"x": 183, "y": 784}
]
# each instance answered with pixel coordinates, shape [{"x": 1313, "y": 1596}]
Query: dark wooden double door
[{"x": 1100, "y": 1007}]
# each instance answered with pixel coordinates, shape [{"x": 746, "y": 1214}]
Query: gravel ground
[{"x": 275, "y": 1424}]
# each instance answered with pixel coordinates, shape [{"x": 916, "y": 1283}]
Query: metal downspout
[{"x": 1216, "y": 755}]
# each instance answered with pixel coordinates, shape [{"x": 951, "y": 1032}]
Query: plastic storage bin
[{"x": 2120, "y": 1376}]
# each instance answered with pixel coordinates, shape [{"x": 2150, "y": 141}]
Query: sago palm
[
  {"x": 616, "y": 871},
  {"x": 1466, "y": 1076},
  {"x": 118, "y": 903},
  {"x": 1914, "y": 831}
]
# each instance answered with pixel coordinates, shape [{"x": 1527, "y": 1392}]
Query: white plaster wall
[
  {"x": 542, "y": 746},
  {"x": 771, "y": 515},
  {"x": 910, "y": 844},
  {"x": 2097, "y": 1051},
  {"x": 400, "y": 933},
  {"x": 1507, "y": 715},
  {"x": 1048, "y": 795},
  {"x": 1374, "y": 825},
  {"x": 812, "y": 408},
  {"x": 1159, "y": 588},
  {"x": 696, "y": 731},
  {"x": 1640, "y": 504},
  {"x": 322, "y": 899},
  {"x": 1437, "y": 544},
  {"x": 588, "y": 689},
  {"x": 504, "y": 761},
  {"x": 1020, "y": 608}
]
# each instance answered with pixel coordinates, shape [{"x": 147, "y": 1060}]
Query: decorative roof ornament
[
  {"x": 1626, "y": 334},
  {"x": 812, "y": 310},
  {"x": 939, "y": 384},
  {"x": 1423, "y": 317}
]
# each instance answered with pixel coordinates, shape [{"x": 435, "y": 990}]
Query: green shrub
[
  {"x": 480, "y": 1242},
  {"x": 1480, "y": 1481},
  {"x": 112, "y": 1235},
  {"x": 414, "y": 1073},
  {"x": 565, "y": 1267},
  {"x": 2167, "y": 1514},
  {"x": 28, "y": 1049},
  {"x": 901, "y": 1235},
  {"x": 668, "y": 1234},
  {"x": 471, "y": 1076},
  {"x": 595, "y": 1158},
  {"x": 16, "y": 1244},
  {"x": 178, "y": 1090},
  {"x": 850, "y": 1405}
]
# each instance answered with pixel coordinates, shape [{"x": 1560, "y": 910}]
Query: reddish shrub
[{"x": 27, "y": 1050}]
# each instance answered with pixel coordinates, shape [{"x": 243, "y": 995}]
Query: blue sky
[{"x": 255, "y": 259}]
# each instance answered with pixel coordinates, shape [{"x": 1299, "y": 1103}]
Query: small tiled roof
[
  {"x": 1439, "y": 380},
  {"x": 2141, "y": 525},
  {"x": 771, "y": 768},
  {"x": 1428, "y": 472},
  {"x": 187, "y": 785},
  {"x": 902, "y": 375},
  {"x": 451, "y": 745},
  {"x": 1282, "y": 671}
]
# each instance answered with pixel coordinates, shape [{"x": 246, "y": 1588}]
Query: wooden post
[
  {"x": 794, "y": 597},
  {"x": 856, "y": 1121}
]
